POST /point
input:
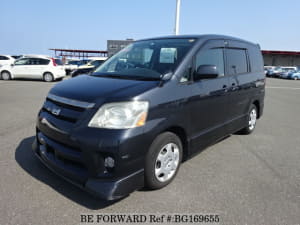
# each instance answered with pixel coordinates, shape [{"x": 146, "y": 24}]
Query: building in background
[
  {"x": 281, "y": 58},
  {"x": 76, "y": 53},
  {"x": 271, "y": 57},
  {"x": 114, "y": 46}
]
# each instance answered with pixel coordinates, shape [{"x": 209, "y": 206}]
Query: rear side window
[
  {"x": 211, "y": 57},
  {"x": 44, "y": 61},
  {"x": 58, "y": 62},
  {"x": 3, "y": 58},
  {"x": 236, "y": 61},
  {"x": 37, "y": 61},
  {"x": 256, "y": 60}
]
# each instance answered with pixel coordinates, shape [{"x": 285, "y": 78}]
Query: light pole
[{"x": 177, "y": 15}]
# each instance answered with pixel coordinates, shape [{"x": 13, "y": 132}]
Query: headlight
[{"x": 120, "y": 115}]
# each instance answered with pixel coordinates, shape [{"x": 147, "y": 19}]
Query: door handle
[{"x": 224, "y": 86}]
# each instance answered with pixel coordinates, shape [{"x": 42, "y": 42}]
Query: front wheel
[
  {"x": 163, "y": 160},
  {"x": 251, "y": 121}
]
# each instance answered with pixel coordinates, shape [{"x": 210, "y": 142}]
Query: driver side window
[{"x": 213, "y": 56}]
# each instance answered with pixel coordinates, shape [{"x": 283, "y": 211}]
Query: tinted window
[
  {"x": 44, "y": 61},
  {"x": 97, "y": 63},
  {"x": 256, "y": 60},
  {"x": 37, "y": 61},
  {"x": 148, "y": 59},
  {"x": 84, "y": 61},
  {"x": 73, "y": 63},
  {"x": 58, "y": 62},
  {"x": 211, "y": 57},
  {"x": 3, "y": 58},
  {"x": 22, "y": 62},
  {"x": 236, "y": 61}
]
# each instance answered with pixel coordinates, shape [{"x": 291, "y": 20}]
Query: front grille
[
  {"x": 62, "y": 111},
  {"x": 65, "y": 109}
]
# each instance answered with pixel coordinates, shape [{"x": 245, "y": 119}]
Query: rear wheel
[
  {"x": 48, "y": 77},
  {"x": 163, "y": 160},
  {"x": 251, "y": 121},
  {"x": 5, "y": 75}
]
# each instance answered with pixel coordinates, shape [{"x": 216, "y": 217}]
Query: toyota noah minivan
[{"x": 147, "y": 109}]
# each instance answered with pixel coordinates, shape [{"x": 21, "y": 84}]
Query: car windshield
[
  {"x": 149, "y": 59},
  {"x": 73, "y": 62}
]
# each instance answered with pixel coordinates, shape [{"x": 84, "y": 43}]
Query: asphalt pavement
[{"x": 252, "y": 179}]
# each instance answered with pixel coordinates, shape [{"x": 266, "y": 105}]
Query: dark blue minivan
[{"x": 146, "y": 109}]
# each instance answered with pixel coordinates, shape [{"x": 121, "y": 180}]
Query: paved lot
[{"x": 245, "y": 179}]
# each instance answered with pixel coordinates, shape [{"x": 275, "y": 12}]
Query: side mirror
[{"x": 206, "y": 72}]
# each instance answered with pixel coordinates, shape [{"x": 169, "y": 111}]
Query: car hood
[{"x": 95, "y": 88}]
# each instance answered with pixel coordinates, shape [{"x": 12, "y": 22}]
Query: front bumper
[
  {"x": 108, "y": 189},
  {"x": 80, "y": 154}
]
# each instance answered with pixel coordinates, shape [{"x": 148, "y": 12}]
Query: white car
[
  {"x": 6, "y": 60},
  {"x": 34, "y": 67},
  {"x": 72, "y": 65}
]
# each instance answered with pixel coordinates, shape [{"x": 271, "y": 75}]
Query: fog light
[{"x": 109, "y": 162}]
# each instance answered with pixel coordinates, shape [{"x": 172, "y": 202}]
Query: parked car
[
  {"x": 266, "y": 71},
  {"x": 89, "y": 67},
  {"x": 84, "y": 61},
  {"x": 275, "y": 72},
  {"x": 34, "y": 67},
  {"x": 289, "y": 68},
  {"x": 152, "y": 105},
  {"x": 286, "y": 74},
  {"x": 294, "y": 76},
  {"x": 6, "y": 60},
  {"x": 72, "y": 65},
  {"x": 268, "y": 68}
]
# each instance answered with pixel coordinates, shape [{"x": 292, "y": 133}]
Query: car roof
[
  {"x": 36, "y": 56},
  {"x": 197, "y": 36},
  {"x": 7, "y": 56}
]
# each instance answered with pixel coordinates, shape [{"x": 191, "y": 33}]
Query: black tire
[
  {"x": 152, "y": 159},
  {"x": 5, "y": 75},
  {"x": 48, "y": 77},
  {"x": 248, "y": 129}
]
